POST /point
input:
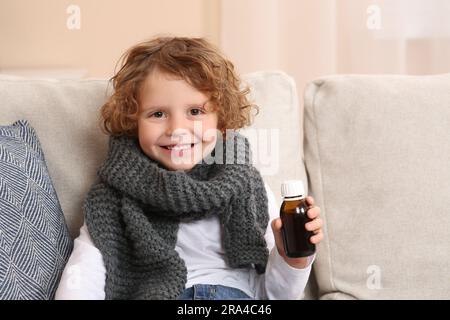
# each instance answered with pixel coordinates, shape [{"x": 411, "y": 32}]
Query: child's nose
[{"x": 178, "y": 126}]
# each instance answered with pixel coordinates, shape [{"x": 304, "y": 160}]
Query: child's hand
[{"x": 315, "y": 226}]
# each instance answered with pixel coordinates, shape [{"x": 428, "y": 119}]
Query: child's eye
[
  {"x": 157, "y": 114},
  {"x": 196, "y": 111}
]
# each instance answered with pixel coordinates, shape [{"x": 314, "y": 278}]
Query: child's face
[{"x": 172, "y": 112}]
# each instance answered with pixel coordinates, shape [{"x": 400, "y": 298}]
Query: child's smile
[
  {"x": 179, "y": 148},
  {"x": 177, "y": 126}
]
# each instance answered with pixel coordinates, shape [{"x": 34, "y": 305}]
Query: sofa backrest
[
  {"x": 65, "y": 116},
  {"x": 377, "y": 154}
]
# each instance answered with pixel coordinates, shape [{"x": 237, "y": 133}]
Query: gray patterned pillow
[{"x": 34, "y": 240}]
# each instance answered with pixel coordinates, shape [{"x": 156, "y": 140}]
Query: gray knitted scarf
[{"x": 134, "y": 210}]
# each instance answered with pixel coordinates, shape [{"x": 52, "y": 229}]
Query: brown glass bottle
[{"x": 293, "y": 216}]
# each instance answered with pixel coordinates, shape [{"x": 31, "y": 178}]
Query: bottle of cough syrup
[{"x": 293, "y": 216}]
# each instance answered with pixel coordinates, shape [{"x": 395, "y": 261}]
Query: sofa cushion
[
  {"x": 377, "y": 154},
  {"x": 34, "y": 240}
]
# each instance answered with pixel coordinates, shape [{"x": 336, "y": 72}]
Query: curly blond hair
[{"x": 194, "y": 60}]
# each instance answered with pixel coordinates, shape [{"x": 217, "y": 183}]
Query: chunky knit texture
[{"x": 134, "y": 210}]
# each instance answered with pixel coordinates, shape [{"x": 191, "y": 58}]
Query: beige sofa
[{"x": 376, "y": 155}]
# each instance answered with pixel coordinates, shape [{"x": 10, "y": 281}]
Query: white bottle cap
[{"x": 292, "y": 188}]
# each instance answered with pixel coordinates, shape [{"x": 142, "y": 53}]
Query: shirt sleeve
[
  {"x": 84, "y": 275},
  {"x": 280, "y": 281}
]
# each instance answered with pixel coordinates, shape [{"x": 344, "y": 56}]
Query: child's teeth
[{"x": 187, "y": 146}]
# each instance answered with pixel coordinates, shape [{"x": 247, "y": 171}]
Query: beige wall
[
  {"x": 408, "y": 42},
  {"x": 34, "y": 34},
  {"x": 305, "y": 38},
  {"x": 310, "y": 38},
  {"x": 298, "y": 37}
]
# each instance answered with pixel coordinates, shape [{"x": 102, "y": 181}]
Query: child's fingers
[
  {"x": 314, "y": 225},
  {"x": 276, "y": 228},
  {"x": 310, "y": 200},
  {"x": 276, "y": 224},
  {"x": 315, "y": 239},
  {"x": 313, "y": 212}
]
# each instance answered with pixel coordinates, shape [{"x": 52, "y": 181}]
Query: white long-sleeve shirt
[{"x": 199, "y": 245}]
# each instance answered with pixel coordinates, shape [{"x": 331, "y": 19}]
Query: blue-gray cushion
[{"x": 34, "y": 240}]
